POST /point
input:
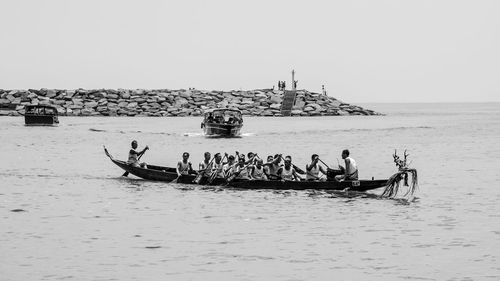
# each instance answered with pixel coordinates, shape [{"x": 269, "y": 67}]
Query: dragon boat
[{"x": 169, "y": 174}]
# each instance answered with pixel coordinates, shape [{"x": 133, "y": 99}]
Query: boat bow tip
[{"x": 107, "y": 153}]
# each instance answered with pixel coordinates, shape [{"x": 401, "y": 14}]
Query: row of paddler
[{"x": 252, "y": 167}]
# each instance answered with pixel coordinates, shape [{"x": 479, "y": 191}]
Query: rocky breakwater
[{"x": 121, "y": 102}]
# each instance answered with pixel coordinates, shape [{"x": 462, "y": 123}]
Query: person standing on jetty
[
  {"x": 133, "y": 156},
  {"x": 351, "y": 169},
  {"x": 184, "y": 167}
]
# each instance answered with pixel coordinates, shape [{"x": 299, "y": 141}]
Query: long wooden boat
[
  {"x": 169, "y": 174},
  {"x": 40, "y": 115},
  {"x": 222, "y": 122}
]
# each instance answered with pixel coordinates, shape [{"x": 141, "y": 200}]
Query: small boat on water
[
  {"x": 40, "y": 115},
  {"x": 222, "y": 122},
  {"x": 169, "y": 174}
]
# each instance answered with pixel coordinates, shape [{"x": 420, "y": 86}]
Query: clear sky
[{"x": 362, "y": 51}]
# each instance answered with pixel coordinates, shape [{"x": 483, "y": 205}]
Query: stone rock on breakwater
[{"x": 140, "y": 102}]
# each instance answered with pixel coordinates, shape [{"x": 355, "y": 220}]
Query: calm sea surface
[{"x": 81, "y": 221}]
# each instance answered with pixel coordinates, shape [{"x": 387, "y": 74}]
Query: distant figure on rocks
[
  {"x": 281, "y": 85},
  {"x": 133, "y": 156},
  {"x": 295, "y": 84}
]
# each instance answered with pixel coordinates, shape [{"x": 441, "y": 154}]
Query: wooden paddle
[
  {"x": 297, "y": 169},
  {"x": 214, "y": 173},
  {"x": 139, "y": 158},
  {"x": 234, "y": 175},
  {"x": 311, "y": 175},
  {"x": 333, "y": 170},
  {"x": 323, "y": 163}
]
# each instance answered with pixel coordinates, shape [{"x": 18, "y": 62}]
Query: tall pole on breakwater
[{"x": 293, "y": 80}]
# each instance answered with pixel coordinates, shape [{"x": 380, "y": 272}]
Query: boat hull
[
  {"x": 44, "y": 115},
  {"x": 168, "y": 174},
  {"x": 361, "y": 185},
  {"x": 41, "y": 120},
  {"x": 224, "y": 130},
  {"x": 153, "y": 173}
]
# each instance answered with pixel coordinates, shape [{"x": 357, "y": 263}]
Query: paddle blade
[
  {"x": 231, "y": 178},
  {"x": 197, "y": 179}
]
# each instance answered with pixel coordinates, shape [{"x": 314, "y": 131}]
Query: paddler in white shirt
[
  {"x": 313, "y": 169},
  {"x": 184, "y": 167},
  {"x": 351, "y": 169},
  {"x": 134, "y": 155},
  {"x": 217, "y": 167}
]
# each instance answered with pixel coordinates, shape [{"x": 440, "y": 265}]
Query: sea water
[{"x": 65, "y": 212}]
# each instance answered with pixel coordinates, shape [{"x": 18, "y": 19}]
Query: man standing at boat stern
[
  {"x": 133, "y": 155},
  {"x": 351, "y": 169}
]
